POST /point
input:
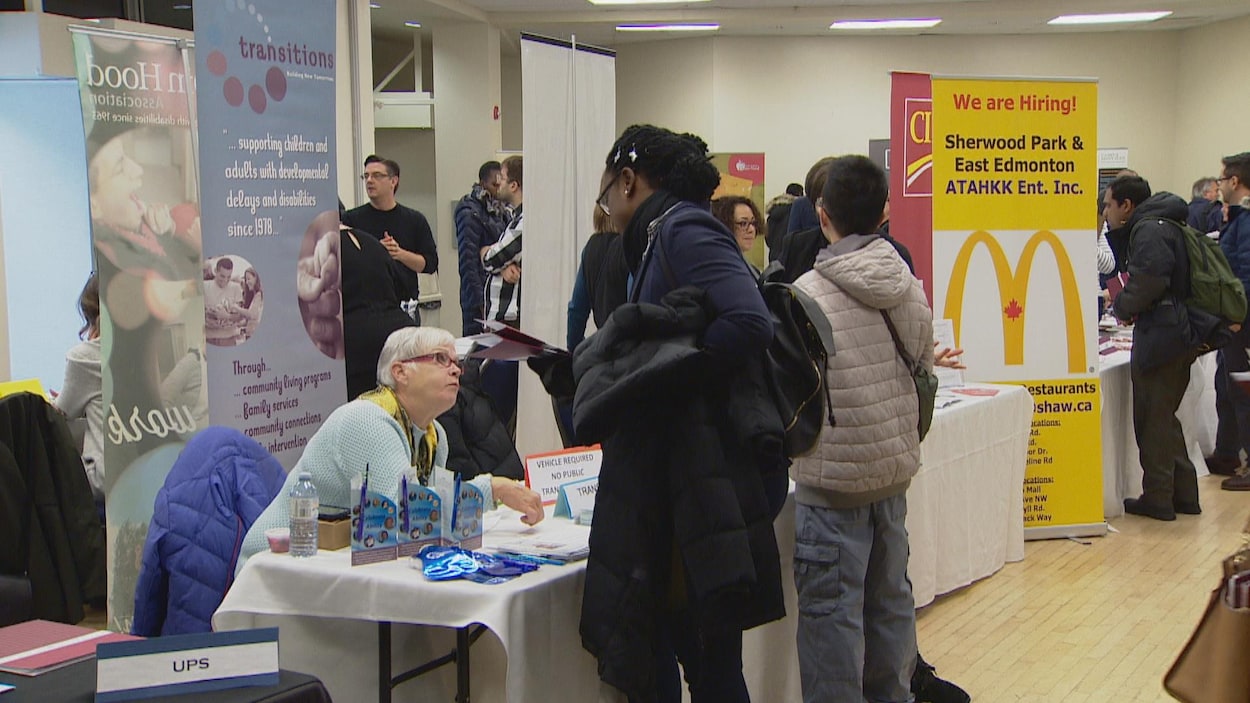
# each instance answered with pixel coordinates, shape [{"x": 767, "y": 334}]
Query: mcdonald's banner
[
  {"x": 911, "y": 170},
  {"x": 1014, "y": 248}
]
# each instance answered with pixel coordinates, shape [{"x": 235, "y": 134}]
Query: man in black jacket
[
  {"x": 1158, "y": 267},
  {"x": 480, "y": 219}
]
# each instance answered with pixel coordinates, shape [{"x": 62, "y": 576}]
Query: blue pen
[
  {"x": 403, "y": 498},
  {"x": 364, "y": 486},
  {"x": 455, "y": 503},
  {"x": 532, "y": 559}
]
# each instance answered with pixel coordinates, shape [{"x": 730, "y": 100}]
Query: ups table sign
[{"x": 178, "y": 664}]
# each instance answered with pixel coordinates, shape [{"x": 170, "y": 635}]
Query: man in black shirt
[{"x": 403, "y": 231}]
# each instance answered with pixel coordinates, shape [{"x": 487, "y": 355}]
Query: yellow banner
[
  {"x": 1063, "y": 474},
  {"x": 1014, "y": 217},
  {"x": 1012, "y": 154}
]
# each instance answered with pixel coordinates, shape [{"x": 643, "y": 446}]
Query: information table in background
[
  {"x": 965, "y": 520},
  {"x": 1121, "y": 469}
]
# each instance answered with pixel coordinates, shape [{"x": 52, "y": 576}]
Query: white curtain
[{"x": 569, "y": 106}]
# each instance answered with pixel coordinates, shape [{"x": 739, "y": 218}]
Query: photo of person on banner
[{"x": 145, "y": 251}]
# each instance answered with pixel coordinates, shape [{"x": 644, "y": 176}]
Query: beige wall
[
  {"x": 512, "y": 123},
  {"x": 666, "y": 83},
  {"x": 466, "y": 89},
  {"x": 797, "y": 99},
  {"x": 1212, "y": 100}
]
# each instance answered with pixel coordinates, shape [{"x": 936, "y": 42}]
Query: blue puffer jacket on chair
[{"x": 219, "y": 485}]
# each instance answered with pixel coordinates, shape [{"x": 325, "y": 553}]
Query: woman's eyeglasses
[
  {"x": 744, "y": 225},
  {"x": 441, "y": 358},
  {"x": 602, "y": 200}
]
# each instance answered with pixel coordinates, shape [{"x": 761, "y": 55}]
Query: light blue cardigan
[{"x": 354, "y": 434}]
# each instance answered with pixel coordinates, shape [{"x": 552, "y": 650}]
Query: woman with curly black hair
[{"x": 683, "y": 556}]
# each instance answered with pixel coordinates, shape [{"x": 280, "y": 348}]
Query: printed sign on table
[{"x": 545, "y": 473}]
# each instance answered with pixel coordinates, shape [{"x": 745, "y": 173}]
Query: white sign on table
[
  {"x": 577, "y": 496},
  {"x": 180, "y": 664},
  {"x": 545, "y": 473}
]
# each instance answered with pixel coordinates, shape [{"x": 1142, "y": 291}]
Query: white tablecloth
[
  {"x": 327, "y": 612},
  {"x": 965, "y": 520},
  {"x": 1121, "y": 470}
]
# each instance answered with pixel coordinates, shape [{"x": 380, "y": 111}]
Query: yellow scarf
[{"x": 422, "y": 453}]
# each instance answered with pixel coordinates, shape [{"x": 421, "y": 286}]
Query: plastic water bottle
[{"x": 304, "y": 508}]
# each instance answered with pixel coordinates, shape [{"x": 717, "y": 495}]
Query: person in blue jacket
[{"x": 641, "y": 618}]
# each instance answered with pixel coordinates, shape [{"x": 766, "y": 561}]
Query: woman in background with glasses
[
  {"x": 392, "y": 430},
  {"x": 743, "y": 220}
]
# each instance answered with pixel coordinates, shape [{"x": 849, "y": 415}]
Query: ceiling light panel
[
  {"x": 917, "y": 23},
  {"x": 1111, "y": 18}
]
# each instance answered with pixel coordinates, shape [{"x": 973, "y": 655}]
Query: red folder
[
  {"x": 33, "y": 647},
  {"x": 1115, "y": 284},
  {"x": 505, "y": 343}
]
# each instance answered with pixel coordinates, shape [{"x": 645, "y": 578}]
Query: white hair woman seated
[{"x": 392, "y": 429}]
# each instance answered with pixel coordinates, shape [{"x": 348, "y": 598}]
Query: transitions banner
[
  {"x": 271, "y": 282},
  {"x": 145, "y": 228},
  {"x": 1014, "y": 217}
]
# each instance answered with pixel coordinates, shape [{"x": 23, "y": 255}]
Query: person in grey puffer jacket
[{"x": 857, "y": 631}]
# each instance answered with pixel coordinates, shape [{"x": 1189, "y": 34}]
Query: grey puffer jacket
[{"x": 874, "y": 450}]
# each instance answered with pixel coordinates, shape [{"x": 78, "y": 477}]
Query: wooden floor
[{"x": 1080, "y": 623}]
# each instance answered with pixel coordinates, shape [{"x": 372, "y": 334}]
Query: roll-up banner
[
  {"x": 911, "y": 170},
  {"x": 145, "y": 228},
  {"x": 1014, "y": 185},
  {"x": 273, "y": 308}
]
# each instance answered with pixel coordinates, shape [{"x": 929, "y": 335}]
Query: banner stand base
[{"x": 1093, "y": 529}]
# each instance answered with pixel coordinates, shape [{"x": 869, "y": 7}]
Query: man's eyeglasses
[
  {"x": 602, "y": 200},
  {"x": 374, "y": 175},
  {"x": 441, "y": 358},
  {"x": 1221, "y": 179},
  {"x": 744, "y": 225}
]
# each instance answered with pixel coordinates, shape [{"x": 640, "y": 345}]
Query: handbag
[
  {"x": 1211, "y": 668},
  {"x": 926, "y": 381}
]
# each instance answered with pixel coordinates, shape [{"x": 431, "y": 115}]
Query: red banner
[{"x": 911, "y": 170}]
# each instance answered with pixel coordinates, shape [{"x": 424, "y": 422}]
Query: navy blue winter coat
[{"x": 219, "y": 485}]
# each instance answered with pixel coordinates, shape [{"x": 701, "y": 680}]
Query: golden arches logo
[{"x": 1013, "y": 292}]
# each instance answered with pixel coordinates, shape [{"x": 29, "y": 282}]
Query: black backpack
[
  {"x": 796, "y": 361},
  {"x": 794, "y": 364}
]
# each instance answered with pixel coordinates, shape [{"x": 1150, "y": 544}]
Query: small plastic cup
[{"x": 279, "y": 539}]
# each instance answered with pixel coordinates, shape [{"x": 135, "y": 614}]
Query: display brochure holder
[
  {"x": 420, "y": 516},
  {"x": 375, "y": 522},
  {"x": 462, "y": 526}
]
